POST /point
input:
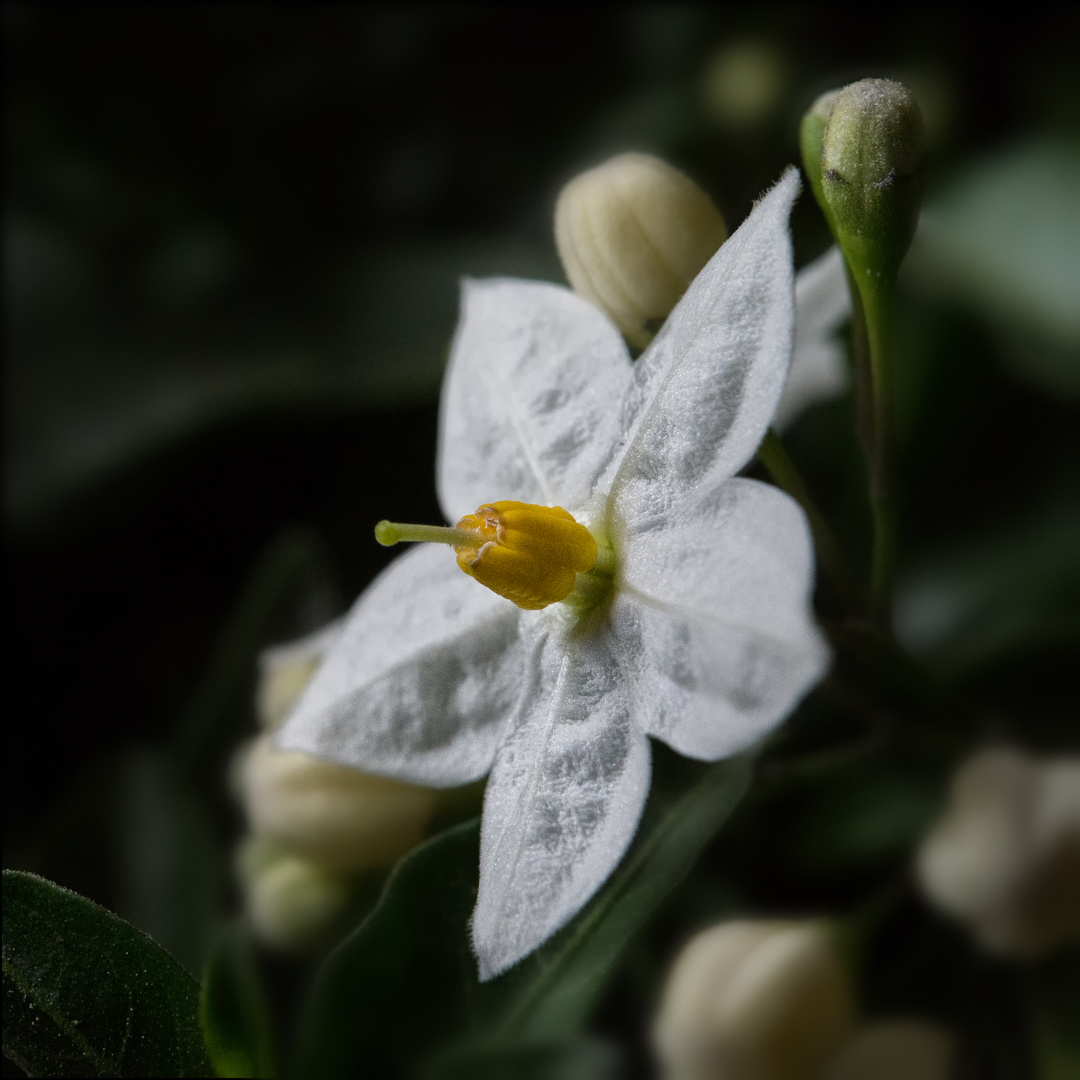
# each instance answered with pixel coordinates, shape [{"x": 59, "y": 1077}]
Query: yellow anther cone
[{"x": 529, "y": 554}]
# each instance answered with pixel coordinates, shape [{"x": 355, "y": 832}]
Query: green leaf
[
  {"x": 1005, "y": 239},
  {"x": 873, "y": 814},
  {"x": 233, "y": 1009},
  {"x": 85, "y": 994},
  {"x": 404, "y": 984}
]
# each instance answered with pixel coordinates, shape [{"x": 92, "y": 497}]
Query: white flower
[{"x": 699, "y": 629}]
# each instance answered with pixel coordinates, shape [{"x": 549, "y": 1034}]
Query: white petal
[
  {"x": 705, "y": 390},
  {"x": 423, "y": 680},
  {"x": 562, "y": 803},
  {"x": 530, "y": 400},
  {"x": 822, "y": 306},
  {"x": 713, "y": 618}
]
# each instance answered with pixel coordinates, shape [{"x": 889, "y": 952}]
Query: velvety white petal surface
[
  {"x": 822, "y": 306},
  {"x": 713, "y": 620},
  {"x": 562, "y": 803},
  {"x": 530, "y": 399},
  {"x": 704, "y": 392},
  {"x": 422, "y": 682}
]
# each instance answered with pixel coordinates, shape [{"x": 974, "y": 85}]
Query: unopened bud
[
  {"x": 632, "y": 234},
  {"x": 285, "y": 670},
  {"x": 896, "y": 1050},
  {"x": 1005, "y": 858},
  {"x": 754, "y": 999},
  {"x": 338, "y": 818},
  {"x": 872, "y": 170},
  {"x": 291, "y": 903}
]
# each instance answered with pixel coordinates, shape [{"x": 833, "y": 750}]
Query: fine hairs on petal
[
  {"x": 707, "y": 641},
  {"x": 706, "y": 389}
]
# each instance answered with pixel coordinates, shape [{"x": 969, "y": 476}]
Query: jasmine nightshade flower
[{"x": 655, "y": 592}]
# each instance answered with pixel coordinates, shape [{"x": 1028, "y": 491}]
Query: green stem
[
  {"x": 872, "y": 351},
  {"x": 878, "y": 305},
  {"x": 786, "y": 476}
]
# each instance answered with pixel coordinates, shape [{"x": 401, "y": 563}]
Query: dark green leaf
[
  {"x": 403, "y": 985},
  {"x": 857, "y": 819},
  {"x": 233, "y": 1009},
  {"x": 85, "y": 994}
]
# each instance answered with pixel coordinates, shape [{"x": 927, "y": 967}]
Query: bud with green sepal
[
  {"x": 863, "y": 150},
  {"x": 811, "y": 140},
  {"x": 872, "y": 157}
]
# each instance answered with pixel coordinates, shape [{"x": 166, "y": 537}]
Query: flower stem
[
  {"x": 786, "y": 476},
  {"x": 877, "y": 309}
]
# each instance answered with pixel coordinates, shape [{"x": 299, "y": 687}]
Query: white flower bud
[
  {"x": 285, "y": 670},
  {"x": 339, "y": 818},
  {"x": 1005, "y": 858},
  {"x": 290, "y": 902},
  {"x": 754, "y": 1000},
  {"x": 896, "y": 1050},
  {"x": 632, "y": 234}
]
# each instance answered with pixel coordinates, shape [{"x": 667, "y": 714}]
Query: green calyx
[
  {"x": 811, "y": 140},
  {"x": 871, "y": 173}
]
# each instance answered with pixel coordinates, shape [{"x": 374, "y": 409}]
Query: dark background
[{"x": 232, "y": 240}]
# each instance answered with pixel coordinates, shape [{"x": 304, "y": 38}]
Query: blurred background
[{"x": 233, "y": 237}]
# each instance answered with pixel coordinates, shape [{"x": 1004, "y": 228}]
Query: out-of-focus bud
[
  {"x": 872, "y": 159},
  {"x": 754, "y": 1000},
  {"x": 811, "y": 141},
  {"x": 1005, "y": 858},
  {"x": 896, "y": 1050},
  {"x": 290, "y": 902},
  {"x": 632, "y": 234},
  {"x": 284, "y": 671},
  {"x": 338, "y": 818}
]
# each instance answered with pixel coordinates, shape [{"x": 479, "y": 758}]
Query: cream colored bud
[
  {"x": 339, "y": 818},
  {"x": 754, "y": 1000},
  {"x": 291, "y": 903},
  {"x": 896, "y": 1050},
  {"x": 632, "y": 234},
  {"x": 285, "y": 670},
  {"x": 1005, "y": 858}
]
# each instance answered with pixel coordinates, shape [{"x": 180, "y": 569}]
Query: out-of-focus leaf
[
  {"x": 233, "y": 1010},
  {"x": 404, "y": 983},
  {"x": 865, "y": 817},
  {"x": 169, "y": 867},
  {"x": 1005, "y": 238},
  {"x": 1014, "y": 591},
  {"x": 567, "y": 1059},
  {"x": 85, "y": 994}
]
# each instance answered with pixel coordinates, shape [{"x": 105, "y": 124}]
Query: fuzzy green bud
[{"x": 872, "y": 158}]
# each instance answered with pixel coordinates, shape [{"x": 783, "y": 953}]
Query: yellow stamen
[{"x": 529, "y": 554}]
